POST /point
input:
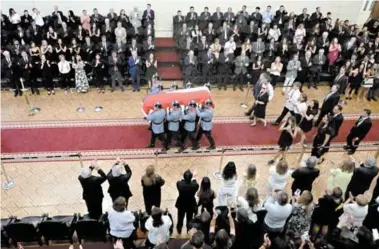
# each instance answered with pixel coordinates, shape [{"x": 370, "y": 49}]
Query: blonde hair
[
  {"x": 361, "y": 200},
  {"x": 150, "y": 177},
  {"x": 348, "y": 165},
  {"x": 306, "y": 198}
]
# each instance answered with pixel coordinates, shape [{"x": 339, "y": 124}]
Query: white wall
[{"x": 165, "y": 9}]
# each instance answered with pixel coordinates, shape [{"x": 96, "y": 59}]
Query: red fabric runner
[{"x": 138, "y": 137}]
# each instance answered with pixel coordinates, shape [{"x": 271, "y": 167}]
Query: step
[
  {"x": 170, "y": 73},
  {"x": 164, "y": 42},
  {"x": 167, "y": 57}
]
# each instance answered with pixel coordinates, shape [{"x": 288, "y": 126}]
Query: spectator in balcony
[
  {"x": 204, "y": 19},
  {"x": 151, "y": 186},
  {"x": 151, "y": 68},
  {"x": 92, "y": 191},
  {"x": 120, "y": 33},
  {"x": 241, "y": 64},
  {"x": 136, "y": 19},
  {"x": 275, "y": 70},
  {"x": 191, "y": 18},
  {"x": 196, "y": 34},
  {"x": 85, "y": 20},
  {"x": 229, "y": 17},
  {"x": 121, "y": 222},
  {"x": 224, "y": 33},
  {"x": 96, "y": 18},
  {"x": 274, "y": 33},
  {"x": 217, "y": 18},
  {"x": 178, "y": 21},
  {"x": 134, "y": 63},
  {"x": 38, "y": 17},
  {"x": 148, "y": 16},
  {"x": 47, "y": 75},
  {"x": 267, "y": 16},
  {"x": 190, "y": 67}
]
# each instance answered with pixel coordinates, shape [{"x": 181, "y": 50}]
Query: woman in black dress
[
  {"x": 151, "y": 68},
  {"x": 260, "y": 106},
  {"x": 60, "y": 49},
  {"x": 151, "y": 188},
  {"x": 47, "y": 75},
  {"x": 206, "y": 196},
  {"x": 95, "y": 33},
  {"x": 322, "y": 139},
  {"x": 355, "y": 81},
  {"x": 306, "y": 123},
  {"x": 51, "y": 36},
  {"x": 98, "y": 73},
  {"x": 325, "y": 216},
  {"x": 289, "y": 131},
  {"x": 258, "y": 67}
]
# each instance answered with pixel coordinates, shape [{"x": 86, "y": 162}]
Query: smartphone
[
  {"x": 297, "y": 192},
  {"x": 305, "y": 237},
  {"x": 375, "y": 234}
]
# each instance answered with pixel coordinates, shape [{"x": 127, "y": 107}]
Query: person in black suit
[
  {"x": 337, "y": 119},
  {"x": 25, "y": 65},
  {"x": 207, "y": 60},
  {"x": 358, "y": 132},
  {"x": 341, "y": 79},
  {"x": 191, "y": 18},
  {"x": 256, "y": 16},
  {"x": 186, "y": 201},
  {"x": 26, "y": 20},
  {"x": 304, "y": 176},
  {"x": 331, "y": 99},
  {"x": 57, "y": 17},
  {"x": 303, "y": 18},
  {"x": 178, "y": 20},
  {"x": 118, "y": 182},
  {"x": 217, "y": 18},
  {"x": 148, "y": 16},
  {"x": 7, "y": 72},
  {"x": 362, "y": 177},
  {"x": 318, "y": 63},
  {"x": 316, "y": 17},
  {"x": 151, "y": 188},
  {"x": 92, "y": 191}
]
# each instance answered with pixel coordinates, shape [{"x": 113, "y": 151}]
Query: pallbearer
[
  {"x": 173, "y": 116},
  {"x": 206, "y": 116},
  {"x": 157, "y": 118},
  {"x": 189, "y": 119}
]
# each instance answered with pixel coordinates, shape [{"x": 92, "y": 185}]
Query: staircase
[{"x": 168, "y": 59}]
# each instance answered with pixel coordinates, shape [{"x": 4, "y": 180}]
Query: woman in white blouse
[
  {"x": 274, "y": 33},
  {"x": 275, "y": 70},
  {"x": 355, "y": 211},
  {"x": 279, "y": 175},
  {"x": 228, "y": 190},
  {"x": 37, "y": 17},
  {"x": 230, "y": 46},
  {"x": 299, "y": 33},
  {"x": 158, "y": 226},
  {"x": 14, "y": 18},
  {"x": 120, "y": 33}
]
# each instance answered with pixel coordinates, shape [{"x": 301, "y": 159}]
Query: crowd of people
[
  {"x": 236, "y": 215},
  {"x": 226, "y": 47},
  {"x": 111, "y": 47}
]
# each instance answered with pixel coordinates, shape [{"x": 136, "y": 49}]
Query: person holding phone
[{"x": 92, "y": 191}]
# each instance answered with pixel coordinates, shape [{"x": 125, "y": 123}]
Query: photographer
[{"x": 92, "y": 191}]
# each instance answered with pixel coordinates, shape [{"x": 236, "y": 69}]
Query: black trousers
[
  {"x": 191, "y": 135},
  {"x": 283, "y": 114},
  {"x": 94, "y": 207},
  {"x": 174, "y": 135},
  {"x": 160, "y": 137},
  {"x": 314, "y": 78},
  {"x": 184, "y": 213},
  {"x": 65, "y": 80},
  {"x": 251, "y": 109},
  {"x": 240, "y": 79},
  {"x": 321, "y": 116},
  {"x": 371, "y": 92},
  {"x": 208, "y": 134},
  {"x": 352, "y": 145},
  {"x": 274, "y": 80}
]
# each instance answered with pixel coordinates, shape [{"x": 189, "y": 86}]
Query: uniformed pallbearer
[
  {"x": 157, "y": 118},
  {"x": 206, "y": 116},
  {"x": 189, "y": 119},
  {"x": 173, "y": 118}
]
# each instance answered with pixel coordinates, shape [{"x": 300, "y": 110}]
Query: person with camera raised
[{"x": 92, "y": 191}]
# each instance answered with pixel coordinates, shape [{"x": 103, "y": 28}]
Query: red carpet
[
  {"x": 170, "y": 73},
  {"x": 137, "y": 137},
  {"x": 164, "y": 42},
  {"x": 167, "y": 57}
]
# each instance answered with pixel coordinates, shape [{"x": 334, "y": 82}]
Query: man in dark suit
[
  {"x": 323, "y": 41},
  {"x": 25, "y": 65},
  {"x": 148, "y": 46},
  {"x": 97, "y": 18},
  {"x": 92, "y": 191},
  {"x": 331, "y": 99},
  {"x": 256, "y": 16},
  {"x": 148, "y": 16},
  {"x": 316, "y": 17},
  {"x": 337, "y": 120},
  {"x": 178, "y": 20},
  {"x": 358, "y": 132},
  {"x": 204, "y": 19},
  {"x": 115, "y": 69},
  {"x": 372, "y": 90},
  {"x": 186, "y": 201},
  {"x": 241, "y": 63},
  {"x": 135, "y": 63},
  {"x": 26, "y": 20},
  {"x": 118, "y": 182},
  {"x": 57, "y": 17},
  {"x": 280, "y": 16},
  {"x": 229, "y": 17},
  {"x": 303, "y": 18},
  {"x": 207, "y": 61},
  {"x": 362, "y": 177},
  {"x": 217, "y": 18},
  {"x": 303, "y": 177},
  {"x": 191, "y": 18},
  {"x": 318, "y": 62},
  {"x": 224, "y": 33},
  {"x": 105, "y": 47},
  {"x": 341, "y": 79},
  {"x": 7, "y": 67}
]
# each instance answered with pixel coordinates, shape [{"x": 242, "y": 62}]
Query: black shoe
[
  {"x": 151, "y": 146},
  {"x": 315, "y": 87},
  {"x": 16, "y": 93},
  {"x": 179, "y": 230},
  {"x": 225, "y": 88},
  {"x": 32, "y": 91},
  {"x": 345, "y": 147},
  {"x": 271, "y": 162},
  {"x": 309, "y": 87},
  {"x": 241, "y": 88},
  {"x": 164, "y": 149},
  {"x": 37, "y": 91},
  {"x": 373, "y": 98},
  {"x": 20, "y": 93},
  {"x": 234, "y": 88},
  {"x": 368, "y": 98},
  {"x": 181, "y": 150},
  {"x": 247, "y": 114},
  {"x": 195, "y": 147},
  {"x": 138, "y": 90},
  {"x": 321, "y": 161},
  {"x": 212, "y": 147},
  {"x": 350, "y": 152},
  {"x": 134, "y": 90},
  {"x": 275, "y": 123}
]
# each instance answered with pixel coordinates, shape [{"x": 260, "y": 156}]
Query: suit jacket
[
  {"x": 191, "y": 21},
  {"x": 330, "y": 102},
  {"x": 92, "y": 186},
  {"x": 26, "y": 21},
  {"x": 118, "y": 185},
  {"x": 187, "y": 191},
  {"x": 178, "y": 21},
  {"x": 337, "y": 122},
  {"x": 7, "y": 68},
  {"x": 341, "y": 81},
  {"x": 207, "y": 60},
  {"x": 99, "y": 19},
  {"x": 258, "y": 49},
  {"x": 302, "y": 18},
  {"x": 361, "y": 130},
  {"x": 303, "y": 178},
  {"x": 204, "y": 19},
  {"x": 217, "y": 19},
  {"x": 146, "y": 19},
  {"x": 147, "y": 48},
  {"x": 280, "y": 15},
  {"x": 119, "y": 65},
  {"x": 361, "y": 179},
  {"x": 134, "y": 65},
  {"x": 256, "y": 17},
  {"x": 320, "y": 43},
  {"x": 241, "y": 65},
  {"x": 317, "y": 62},
  {"x": 222, "y": 33},
  {"x": 105, "y": 51},
  {"x": 229, "y": 17},
  {"x": 117, "y": 47}
]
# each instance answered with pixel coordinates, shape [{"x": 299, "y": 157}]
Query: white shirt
[
  {"x": 163, "y": 231},
  {"x": 276, "y": 181},
  {"x": 64, "y": 67},
  {"x": 270, "y": 90},
  {"x": 227, "y": 192},
  {"x": 242, "y": 203},
  {"x": 301, "y": 108},
  {"x": 15, "y": 18},
  {"x": 361, "y": 121},
  {"x": 230, "y": 47},
  {"x": 358, "y": 212},
  {"x": 121, "y": 223},
  {"x": 274, "y": 34},
  {"x": 38, "y": 19},
  {"x": 276, "y": 214},
  {"x": 292, "y": 99}
]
